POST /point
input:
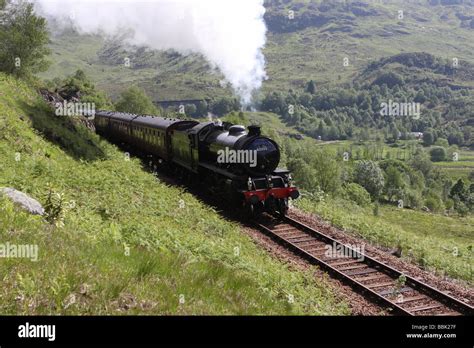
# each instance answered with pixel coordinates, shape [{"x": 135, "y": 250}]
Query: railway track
[{"x": 387, "y": 286}]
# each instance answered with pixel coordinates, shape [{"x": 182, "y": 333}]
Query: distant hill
[
  {"x": 311, "y": 42},
  {"x": 420, "y": 67}
]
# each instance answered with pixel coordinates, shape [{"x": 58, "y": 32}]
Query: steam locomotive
[{"x": 233, "y": 163}]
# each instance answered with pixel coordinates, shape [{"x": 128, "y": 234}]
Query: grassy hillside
[
  {"x": 436, "y": 242},
  {"x": 125, "y": 242},
  {"x": 323, "y": 34}
]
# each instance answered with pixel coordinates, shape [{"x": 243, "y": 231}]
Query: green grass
[
  {"x": 439, "y": 243},
  {"x": 402, "y": 151},
  {"x": 126, "y": 246},
  {"x": 462, "y": 168}
]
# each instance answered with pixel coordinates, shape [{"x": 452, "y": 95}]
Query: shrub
[
  {"x": 376, "y": 209},
  {"x": 357, "y": 194},
  {"x": 134, "y": 100},
  {"x": 442, "y": 142},
  {"x": 434, "y": 204},
  {"x": 449, "y": 204},
  {"x": 461, "y": 208},
  {"x": 369, "y": 175},
  {"x": 394, "y": 183},
  {"x": 54, "y": 208},
  {"x": 438, "y": 154},
  {"x": 413, "y": 199}
]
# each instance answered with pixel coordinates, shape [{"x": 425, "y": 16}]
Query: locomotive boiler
[{"x": 232, "y": 162}]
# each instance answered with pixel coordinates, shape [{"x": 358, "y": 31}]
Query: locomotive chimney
[{"x": 254, "y": 130}]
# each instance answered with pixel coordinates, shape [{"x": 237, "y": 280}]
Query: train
[{"x": 236, "y": 164}]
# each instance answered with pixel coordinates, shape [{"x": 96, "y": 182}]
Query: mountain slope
[{"x": 312, "y": 45}]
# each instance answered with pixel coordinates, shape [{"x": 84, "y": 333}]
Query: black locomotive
[{"x": 231, "y": 162}]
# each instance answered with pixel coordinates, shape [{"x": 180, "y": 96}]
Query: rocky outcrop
[{"x": 23, "y": 200}]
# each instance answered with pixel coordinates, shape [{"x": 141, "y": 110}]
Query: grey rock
[{"x": 26, "y": 202}]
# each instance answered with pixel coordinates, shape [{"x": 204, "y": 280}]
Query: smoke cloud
[{"x": 230, "y": 34}]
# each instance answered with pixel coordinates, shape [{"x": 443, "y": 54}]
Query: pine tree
[{"x": 311, "y": 87}]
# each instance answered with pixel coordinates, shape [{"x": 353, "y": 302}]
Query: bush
[
  {"x": 449, "y": 204},
  {"x": 315, "y": 170},
  {"x": 223, "y": 106},
  {"x": 442, "y": 142},
  {"x": 376, "y": 209},
  {"x": 438, "y": 154},
  {"x": 428, "y": 138},
  {"x": 369, "y": 175},
  {"x": 79, "y": 86},
  {"x": 134, "y": 100},
  {"x": 394, "y": 184},
  {"x": 357, "y": 194},
  {"x": 413, "y": 199},
  {"x": 461, "y": 208},
  {"x": 434, "y": 203}
]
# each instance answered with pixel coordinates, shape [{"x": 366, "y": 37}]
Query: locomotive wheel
[
  {"x": 254, "y": 210},
  {"x": 282, "y": 206}
]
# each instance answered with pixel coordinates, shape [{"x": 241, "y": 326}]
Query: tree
[
  {"x": 202, "y": 108},
  {"x": 24, "y": 38},
  {"x": 327, "y": 170},
  {"x": 471, "y": 175},
  {"x": 428, "y": 138},
  {"x": 394, "y": 183},
  {"x": 442, "y": 142},
  {"x": 438, "y": 154},
  {"x": 78, "y": 86},
  {"x": 459, "y": 191},
  {"x": 80, "y": 75},
  {"x": 223, "y": 106},
  {"x": 391, "y": 79},
  {"x": 394, "y": 134},
  {"x": 421, "y": 162},
  {"x": 333, "y": 133},
  {"x": 357, "y": 193},
  {"x": 315, "y": 170},
  {"x": 455, "y": 138},
  {"x": 274, "y": 102},
  {"x": 311, "y": 87},
  {"x": 134, "y": 100},
  {"x": 303, "y": 174},
  {"x": 369, "y": 175},
  {"x": 190, "y": 110},
  {"x": 321, "y": 131}
]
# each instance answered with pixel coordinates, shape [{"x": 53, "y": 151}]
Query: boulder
[{"x": 24, "y": 201}]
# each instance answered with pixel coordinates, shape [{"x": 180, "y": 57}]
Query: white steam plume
[{"x": 230, "y": 34}]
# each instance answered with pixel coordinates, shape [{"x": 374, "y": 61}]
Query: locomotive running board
[{"x": 221, "y": 171}]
